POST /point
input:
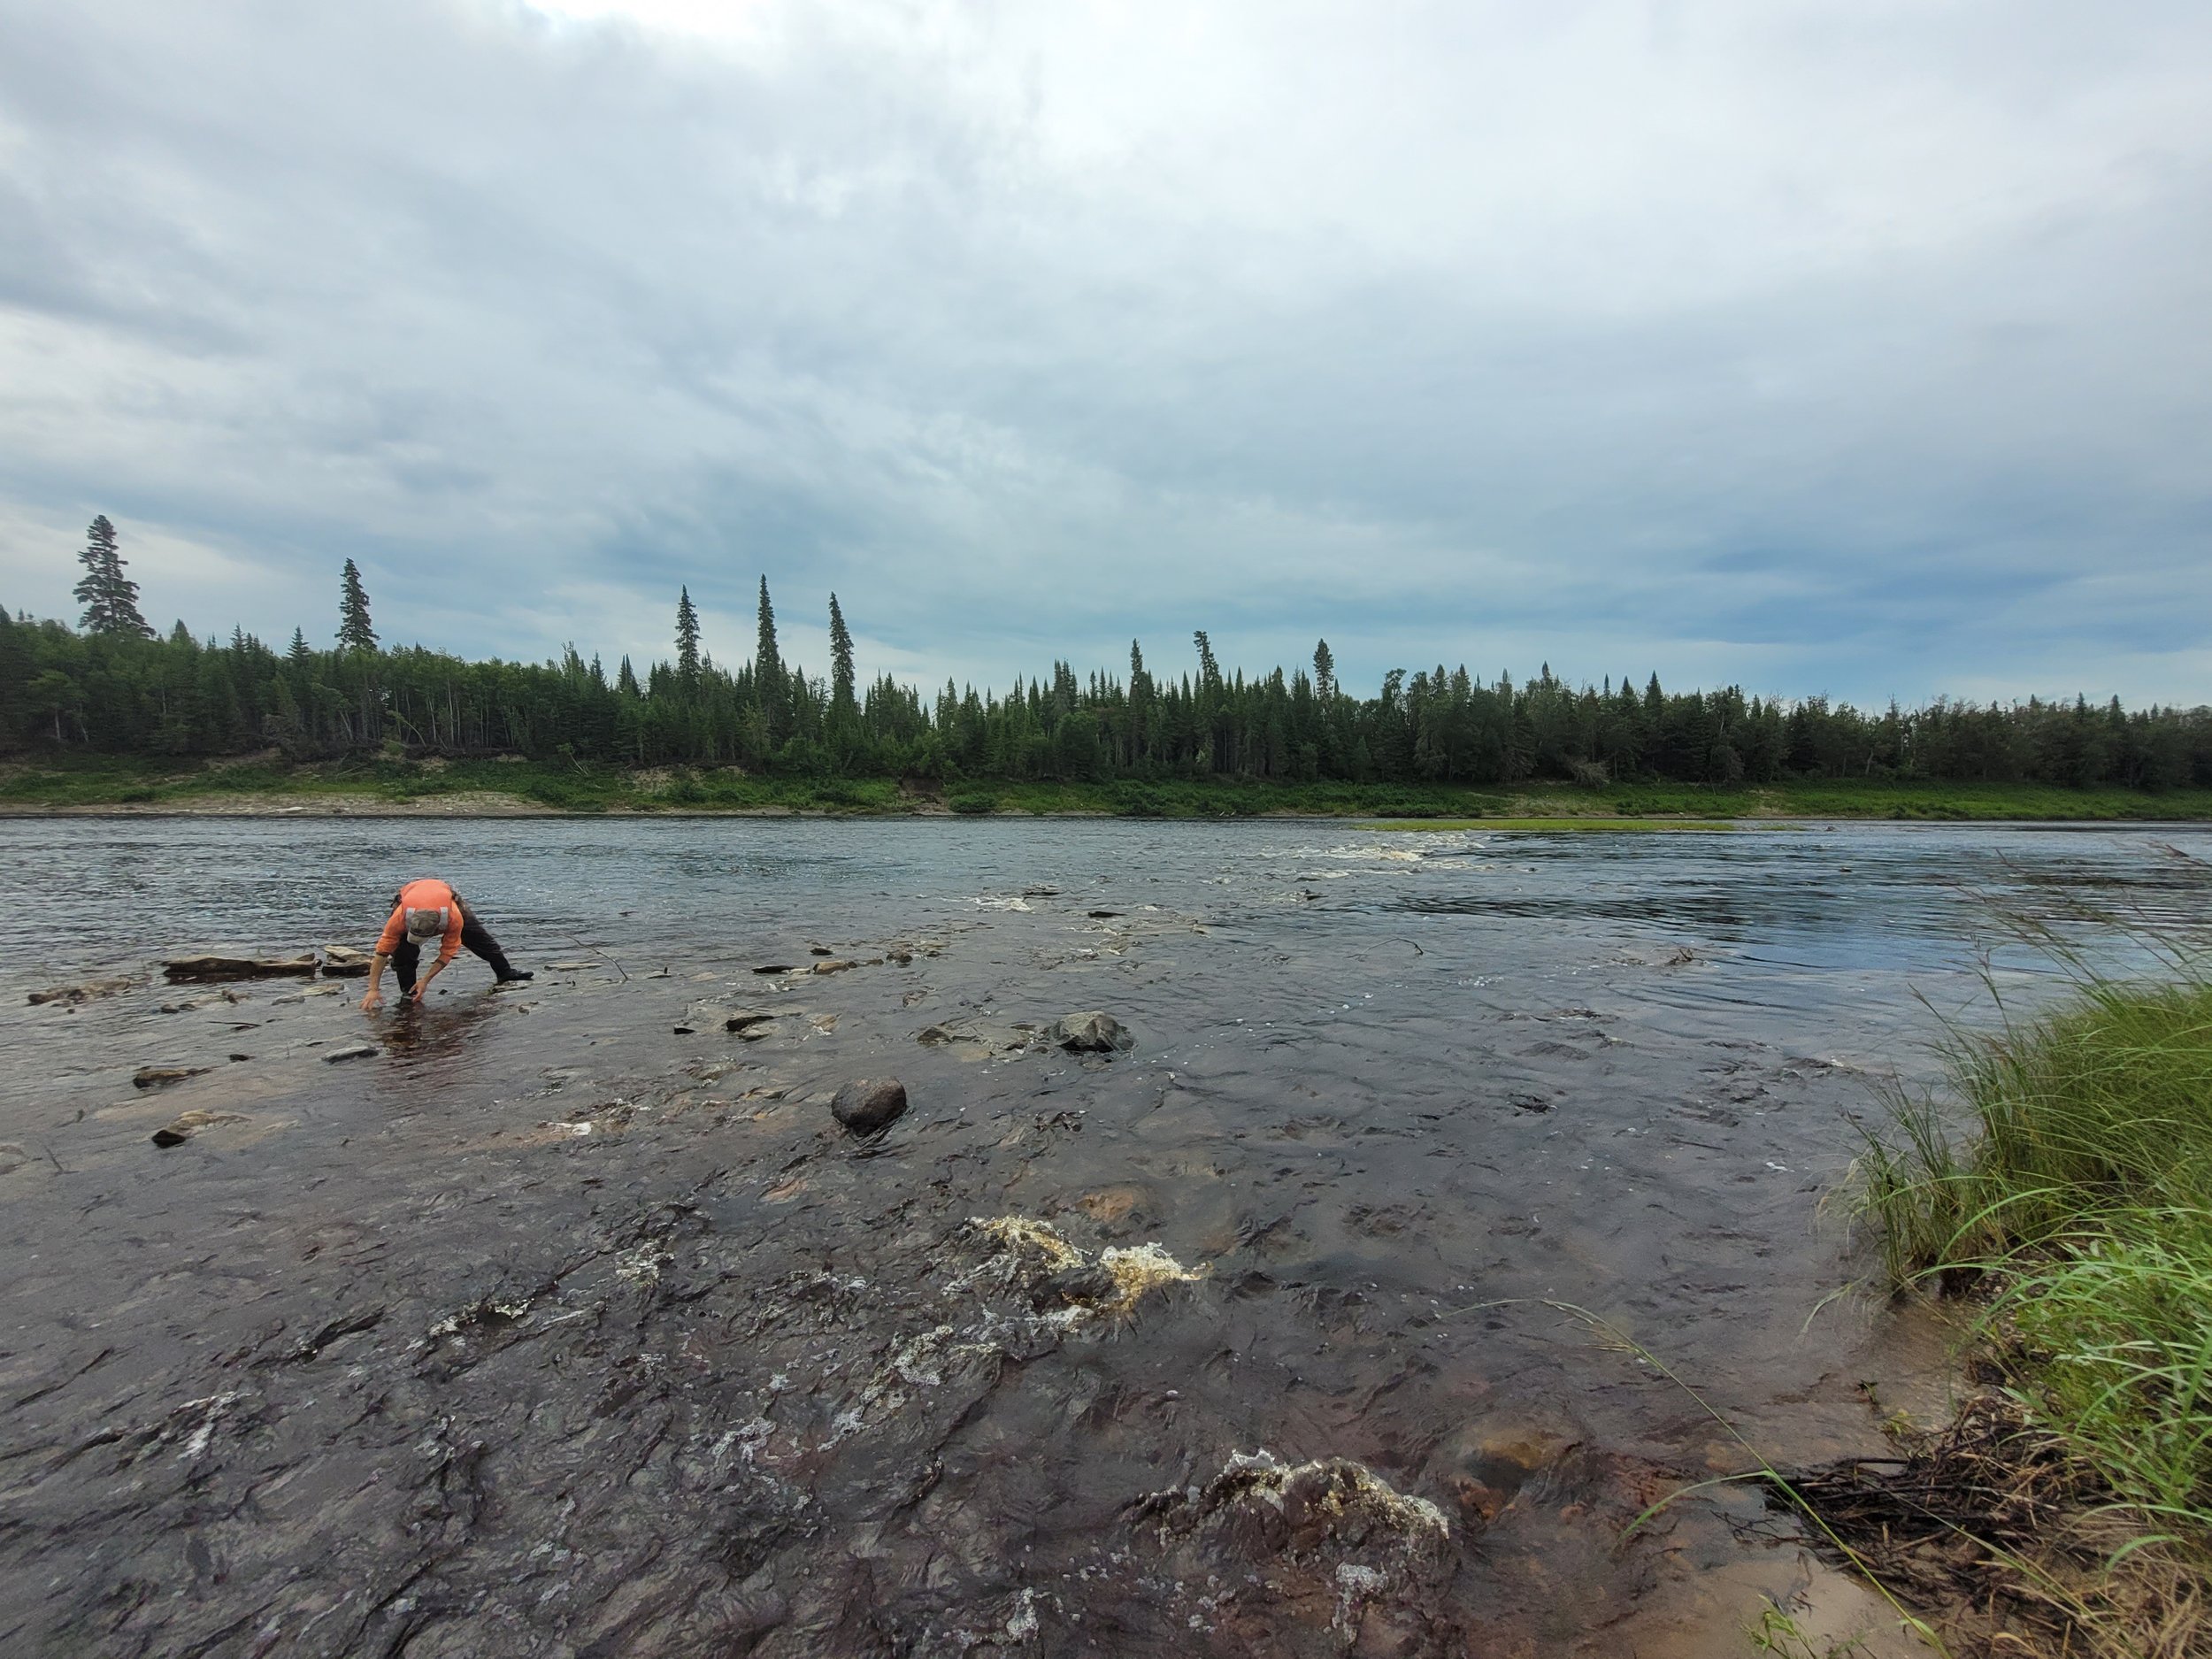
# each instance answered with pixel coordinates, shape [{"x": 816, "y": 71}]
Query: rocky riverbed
[{"x": 571, "y": 1318}]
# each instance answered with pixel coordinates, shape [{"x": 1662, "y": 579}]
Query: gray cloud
[{"x": 1822, "y": 346}]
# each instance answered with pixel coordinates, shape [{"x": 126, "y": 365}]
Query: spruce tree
[
  {"x": 841, "y": 662},
  {"x": 686, "y": 638},
  {"x": 109, "y": 597},
  {"x": 768, "y": 680},
  {"x": 354, "y": 632},
  {"x": 1323, "y": 672},
  {"x": 767, "y": 660},
  {"x": 299, "y": 653}
]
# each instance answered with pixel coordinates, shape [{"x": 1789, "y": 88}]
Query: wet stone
[
  {"x": 182, "y": 1127},
  {"x": 351, "y": 1051},
  {"x": 1092, "y": 1033},
  {"x": 344, "y": 961},
  {"x": 159, "y": 1076},
  {"x": 867, "y": 1105}
]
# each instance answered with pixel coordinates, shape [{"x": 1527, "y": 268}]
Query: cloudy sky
[{"x": 1856, "y": 346}]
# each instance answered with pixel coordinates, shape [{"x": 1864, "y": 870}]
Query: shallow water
[{"x": 551, "y": 1330}]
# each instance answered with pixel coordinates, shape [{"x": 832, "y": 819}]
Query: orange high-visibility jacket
[{"x": 428, "y": 894}]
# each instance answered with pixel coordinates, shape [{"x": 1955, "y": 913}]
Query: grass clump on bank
[{"x": 2081, "y": 1209}]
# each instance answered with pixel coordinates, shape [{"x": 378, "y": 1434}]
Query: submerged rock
[
  {"x": 743, "y": 1019},
  {"x": 156, "y": 1076},
  {"x": 1092, "y": 1033},
  {"x": 182, "y": 1128},
  {"x": 1067, "y": 1285},
  {"x": 351, "y": 1051},
  {"x": 90, "y": 991},
  {"x": 214, "y": 965},
  {"x": 1300, "y": 1507},
  {"x": 1086, "y": 1287},
  {"x": 976, "y": 1037},
  {"x": 1487, "y": 1462},
  {"x": 868, "y": 1104}
]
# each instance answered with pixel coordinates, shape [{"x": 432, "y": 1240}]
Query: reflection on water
[
  {"x": 550, "y": 1326},
  {"x": 433, "y": 1041}
]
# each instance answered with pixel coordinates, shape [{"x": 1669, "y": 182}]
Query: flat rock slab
[
  {"x": 351, "y": 1051},
  {"x": 182, "y": 1127},
  {"x": 344, "y": 961},
  {"x": 181, "y": 970},
  {"x": 90, "y": 991},
  {"x": 975, "y": 1036}
]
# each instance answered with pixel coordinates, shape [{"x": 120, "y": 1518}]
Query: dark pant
[{"x": 474, "y": 934}]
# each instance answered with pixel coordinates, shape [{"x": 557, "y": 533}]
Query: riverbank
[
  {"x": 2074, "y": 1489},
  {"x": 513, "y": 788}
]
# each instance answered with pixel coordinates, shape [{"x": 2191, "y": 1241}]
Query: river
[{"x": 570, "y": 1323}]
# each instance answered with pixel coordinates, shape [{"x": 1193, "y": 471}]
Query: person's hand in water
[{"x": 372, "y": 1001}]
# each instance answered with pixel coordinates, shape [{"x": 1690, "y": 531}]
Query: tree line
[{"x": 113, "y": 685}]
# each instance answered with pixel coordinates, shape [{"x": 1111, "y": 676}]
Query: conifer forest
[{"x": 113, "y": 685}]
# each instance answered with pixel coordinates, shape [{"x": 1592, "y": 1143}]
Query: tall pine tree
[
  {"x": 109, "y": 597},
  {"x": 354, "y": 632},
  {"x": 768, "y": 676},
  {"x": 841, "y": 703},
  {"x": 686, "y": 638}
]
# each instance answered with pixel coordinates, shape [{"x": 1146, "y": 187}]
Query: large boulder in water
[
  {"x": 1092, "y": 1033},
  {"x": 868, "y": 1104}
]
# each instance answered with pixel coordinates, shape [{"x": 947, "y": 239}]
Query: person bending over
[{"x": 424, "y": 910}]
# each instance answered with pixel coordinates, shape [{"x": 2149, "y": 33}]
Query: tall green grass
[{"x": 2084, "y": 1199}]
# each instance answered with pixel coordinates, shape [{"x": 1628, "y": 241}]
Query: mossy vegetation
[{"x": 364, "y": 784}]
